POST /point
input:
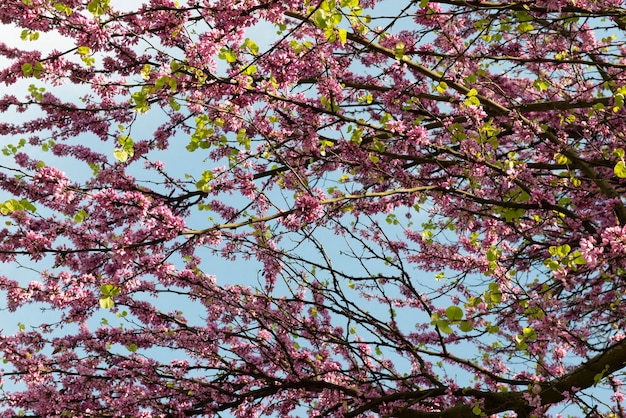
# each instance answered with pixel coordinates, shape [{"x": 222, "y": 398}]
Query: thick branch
[{"x": 583, "y": 377}]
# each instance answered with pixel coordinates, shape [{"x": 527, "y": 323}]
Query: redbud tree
[{"x": 331, "y": 208}]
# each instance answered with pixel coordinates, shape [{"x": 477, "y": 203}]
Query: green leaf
[
  {"x": 495, "y": 297},
  {"x": 541, "y": 85},
  {"x": 13, "y": 205},
  {"x": 399, "y": 50},
  {"x": 127, "y": 150},
  {"x": 175, "y": 66},
  {"x": 145, "y": 72},
  {"x": 492, "y": 254},
  {"x": 140, "y": 99},
  {"x": 492, "y": 329},
  {"x": 27, "y": 69},
  {"x": 29, "y": 35},
  {"x": 320, "y": 18},
  {"x": 126, "y": 142},
  {"x": 466, "y": 326},
  {"x": 561, "y": 159},
  {"x": 172, "y": 83},
  {"x": 618, "y": 101},
  {"x": 110, "y": 290},
  {"x": 26, "y": 205},
  {"x": 454, "y": 313},
  {"x": 227, "y": 54},
  {"x": 552, "y": 264},
  {"x": 174, "y": 104},
  {"x": 80, "y": 216},
  {"x": 534, "y": 312},
  {"x": 563, "y": 250},
  {"x": 132, "y": 347},
  {"x": 520, "y": 343},
  {"x": 250, "y": 69},
  {"x": 98, "y": 7},
  {"x": 599, "y": 376},
  {"x": 511, "y": 214},
  {"x": 95, "y": 168},
  {"x": 160, "y": 82},
  {"x": 444, "y": 326},
  {"x": 472, "y": 101},
  {"x": 36, "y": 92}
]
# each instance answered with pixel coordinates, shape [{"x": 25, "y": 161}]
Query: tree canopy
[{"x": 337, "y": 208}]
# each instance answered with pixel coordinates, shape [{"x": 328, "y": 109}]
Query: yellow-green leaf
[
  {"x": 529, "y": 334},
  {"x": 251, "y": 45},
  {"x": 106, "y": 302},
  {"x": 525, "y": 27},
  {"x": 343, "y": 36},
  {"x": 620, "y": 169},
  {"x": 120, "y": 154},
  {"x": 541, "y": 85}
]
